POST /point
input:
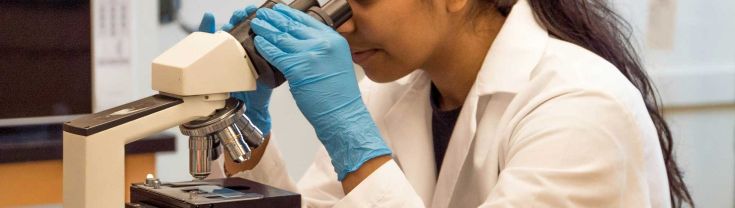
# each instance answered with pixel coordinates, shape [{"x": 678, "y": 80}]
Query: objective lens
[
  {"x": 233, "y": 141},
  {"x": 200, "y": 150},
  {"x": 230, "y": 127}
]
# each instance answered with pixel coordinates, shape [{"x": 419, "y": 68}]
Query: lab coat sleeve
[
  {"x": 271, "y": 170},
  {"x": 385, "y": 187},
  {"x": 579, "y": 149}
]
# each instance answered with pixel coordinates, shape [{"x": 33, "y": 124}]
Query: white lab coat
[{"x": 546, "y": 124}]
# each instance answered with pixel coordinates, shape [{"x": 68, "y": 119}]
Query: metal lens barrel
[
  {"x": 334, "y": 13},
  {"x": 228, "y": 126},
  {"x": 200, "y": 150},
  {"x": 234, "y": 143}
]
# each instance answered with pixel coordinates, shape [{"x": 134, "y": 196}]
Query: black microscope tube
[
  {"x": 334, "y": 13},
  {"x": 338, "y": 10}
]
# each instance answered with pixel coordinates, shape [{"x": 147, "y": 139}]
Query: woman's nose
[{"x": 347, "y": 27}]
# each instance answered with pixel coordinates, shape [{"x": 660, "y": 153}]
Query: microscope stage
[{"x": 227, "y": 192}]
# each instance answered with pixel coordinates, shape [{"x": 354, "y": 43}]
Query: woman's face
[{"x": 392, "y": 38}]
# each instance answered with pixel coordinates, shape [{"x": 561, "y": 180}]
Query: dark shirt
[{"x": 442, "y": 125}]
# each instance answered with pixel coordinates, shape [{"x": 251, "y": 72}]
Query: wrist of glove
[
  {"x": 350, "y": 137},
  {"x": 256, "y": 106},
  {"x": 317, "y": 63}
]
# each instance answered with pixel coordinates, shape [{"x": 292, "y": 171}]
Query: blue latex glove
[
  {"x": 256, "y": 102},
  {"x": 317, "y": 63}
]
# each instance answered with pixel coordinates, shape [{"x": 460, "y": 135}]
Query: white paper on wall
[
  {"x": 112, "y": 34},
  {"x": 661, "y": 24}
]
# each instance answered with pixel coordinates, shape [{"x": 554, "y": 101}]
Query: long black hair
[{"x": 592, "y": 24}]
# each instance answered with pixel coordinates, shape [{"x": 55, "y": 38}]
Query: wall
[{"x": 690, "y": 53}]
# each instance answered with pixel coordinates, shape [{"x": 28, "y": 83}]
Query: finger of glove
[
  {"x": 287, "y": 25},
  {"x": 207, "y": 24},
  {"x": 282, "y": 40},
  {"x": 301, "y": 17},
  {"x": 262, "y": 92},
  {"x": 241, "y": 14},
  {"x": 268, "y": 50},
  {"x": 238, "y": 16},
  {"x": 284, "y": 62},
  {"x": 255, "y": 100},
  {"x": 256, "y": 108},
  {"x": 250, "y": 9}
]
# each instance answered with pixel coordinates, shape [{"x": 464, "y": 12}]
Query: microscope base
[{"x": 226, "y": 192}]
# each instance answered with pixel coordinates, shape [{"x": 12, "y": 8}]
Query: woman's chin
[
  {"x": 383, "y": 76},
  {"x": 378, "y": 79}
]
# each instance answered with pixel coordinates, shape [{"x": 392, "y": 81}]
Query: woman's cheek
[{"x": 387, "y": 69}]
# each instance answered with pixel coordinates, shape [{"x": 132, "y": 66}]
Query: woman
[{"x": 495, "y": 103}]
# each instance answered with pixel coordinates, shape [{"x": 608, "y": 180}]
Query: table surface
[{"x": 44, "y": 142}]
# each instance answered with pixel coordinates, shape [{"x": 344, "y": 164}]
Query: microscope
[{"x": 194, "y": 79}]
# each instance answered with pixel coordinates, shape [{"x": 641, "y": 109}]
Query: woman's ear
[{"x": 456, "y": 5}]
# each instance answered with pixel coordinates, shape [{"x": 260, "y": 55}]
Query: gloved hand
[
  {"x": 317, "y": 63},
  {"x": 256, "y": 102}
]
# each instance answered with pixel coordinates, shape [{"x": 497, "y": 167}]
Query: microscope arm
[{"x": 94, "y": 146}]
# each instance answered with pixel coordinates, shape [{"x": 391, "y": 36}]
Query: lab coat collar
[
  {"x": 507, "y": 67},
  {"x": 408, "y": 127},
  {"x": 514, "y": 54}
]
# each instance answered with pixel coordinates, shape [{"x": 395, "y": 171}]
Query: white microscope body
[{"x": 194, "y": 79}]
